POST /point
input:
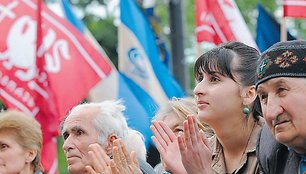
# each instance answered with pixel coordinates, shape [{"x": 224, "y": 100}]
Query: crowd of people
[{"x": 247, "y": 117}]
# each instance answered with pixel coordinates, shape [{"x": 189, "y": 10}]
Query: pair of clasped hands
[
  {"x": 122, "y": 162},
  {"x": 188, "y": 152}
]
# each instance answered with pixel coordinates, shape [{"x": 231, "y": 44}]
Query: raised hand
[
  {"x": 167, "y": 145},
  {"x": 123, "y": 163},
  {"x": 195, "y": 149},
  {"x": 100, "y": 162}
]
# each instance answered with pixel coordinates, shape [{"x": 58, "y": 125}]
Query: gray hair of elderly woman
[
  {"x": 182, "y": 107},
  {"x": 136, "y": 142},
  {"x": 27, "y": 130},
  {"x": 108, "y": 118}
]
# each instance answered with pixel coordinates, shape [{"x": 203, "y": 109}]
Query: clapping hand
[
  {"x": 195, "y": 149},
  {"x": 167, "y": 145}
]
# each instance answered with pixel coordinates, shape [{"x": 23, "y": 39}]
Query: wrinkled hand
[
  {"x": 99, "y": 161},
  {"x": 195, "y": 149},
  {"x": 123, "y": 163},
  {"x": 167, "y": 145}
]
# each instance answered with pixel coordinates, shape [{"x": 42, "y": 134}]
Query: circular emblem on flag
[{"x": 138, "y": 62}]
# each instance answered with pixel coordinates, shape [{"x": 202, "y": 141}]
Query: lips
[
  {"x": 279, "y": 120},
  {"x": 202, "y": 104},
  {"x": 72, "y": 159}
]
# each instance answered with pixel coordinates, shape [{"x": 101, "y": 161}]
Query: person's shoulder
[
  {"x": 269, "y": 152},
  {"x": 145, "y": 167},
  {"x": 266, "y": 141}
]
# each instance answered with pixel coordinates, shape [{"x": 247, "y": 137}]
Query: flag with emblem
[
  {"x": 46, "y": 67},
  {"x": 114, "y": 83},
  {"x": 139, "y": 61}
]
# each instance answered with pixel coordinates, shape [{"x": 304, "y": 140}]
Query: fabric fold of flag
[
  {"x": 114, "y": 85},
  {"x": 139, "y": 58},
  {"x": 219, "y": 21},
  {"x": 268, "y": 29},
  {"x": 46, "y": 67}
]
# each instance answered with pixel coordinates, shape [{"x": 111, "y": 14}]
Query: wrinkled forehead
[
  {"x": 296, "y": 82},
  {"x": 79, "y": 118}
]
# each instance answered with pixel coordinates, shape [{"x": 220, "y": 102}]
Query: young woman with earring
[{"x": 227, "y": 102}]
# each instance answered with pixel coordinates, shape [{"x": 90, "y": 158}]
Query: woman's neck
[
  {"x": 28, "y": 169},
  {"x": 234, "y": 140},
  {"x": 234, "y": 137}
]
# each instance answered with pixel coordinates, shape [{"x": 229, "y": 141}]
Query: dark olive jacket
[{"x": 273, "y": 157}]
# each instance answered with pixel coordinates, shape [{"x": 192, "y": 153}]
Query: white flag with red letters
[{"x": 44, "y": 73}]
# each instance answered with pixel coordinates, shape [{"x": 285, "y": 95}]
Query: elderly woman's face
[
  {"x": 174, "y": 123},
  {"x": 283, "y": 102},
  {"x": 13, "y": 157}
]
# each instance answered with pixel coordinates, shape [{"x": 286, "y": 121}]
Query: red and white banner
[
  {"x": 295, "y": 8},
  {"x": 219, "y": 21},
  {"x": 46, "y": 79}
]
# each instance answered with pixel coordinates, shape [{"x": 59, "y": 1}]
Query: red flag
[
  {"x": 295, "y": 8},
  {"x": 46, "y": 67},
  {"x": 220, "y": 21}
]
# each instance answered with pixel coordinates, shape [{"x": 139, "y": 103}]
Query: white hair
[
  {"x": 108, "y": 118},
  {"x": 136, "y": 142}
]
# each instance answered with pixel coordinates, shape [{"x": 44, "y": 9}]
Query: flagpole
[
  {"x": 283, "y": 30},
  {"x": 177, "y": 42}
]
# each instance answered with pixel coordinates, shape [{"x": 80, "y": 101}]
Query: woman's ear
[
  {"x": 249, "y": 95},
  {"x": 30, "y": 155}
]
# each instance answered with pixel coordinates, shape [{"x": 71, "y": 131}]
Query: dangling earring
[{"x": 246, "y": 110}]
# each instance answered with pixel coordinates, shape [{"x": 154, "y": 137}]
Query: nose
[
  {"x": 273, "y": 108},
  {"x": 68, "y": 144},
  {"x": 199, "y": 89}
]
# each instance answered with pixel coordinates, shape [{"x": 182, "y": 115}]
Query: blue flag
[
  {"x": 149, "y": 7},
  {"x": 140, "y": 62},
  {"x": 268, "y": 29},
  {"x": 114, "y": 86}
]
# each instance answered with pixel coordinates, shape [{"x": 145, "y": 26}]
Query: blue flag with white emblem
[{"x": 139, "y": 61}]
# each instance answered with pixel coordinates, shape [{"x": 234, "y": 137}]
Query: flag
[
  {"x": 46, "y": 67},
  {"x": 295, "y": 8},
  {"x": 114, "y": 85},
  {"x": 139, "y": 60},
  {"x": 268, "y": 29},
  {"x": 149, "y": 6},
  {"x": 219, "y": 21}
]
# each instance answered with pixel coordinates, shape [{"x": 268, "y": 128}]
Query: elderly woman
[
  {"x": 172, "y": 115},
  {"x": 20, "y": 143}
]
